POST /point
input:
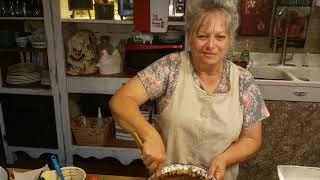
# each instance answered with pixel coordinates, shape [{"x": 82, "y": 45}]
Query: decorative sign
[
  {"x": 295, "y": 19},
  {"x": 159, "y": 16},
  {"x": 255, "y": 17}
]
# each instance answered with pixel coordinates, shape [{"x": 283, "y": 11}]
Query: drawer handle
[{"x": 300, "y": 93}]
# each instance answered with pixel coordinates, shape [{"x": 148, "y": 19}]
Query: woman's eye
[
  {"x": 220, "y": 38},
  {"x": 201, "y": 36}
]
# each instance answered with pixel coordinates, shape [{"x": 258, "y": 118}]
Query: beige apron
[{"x": 196, "y": 126}]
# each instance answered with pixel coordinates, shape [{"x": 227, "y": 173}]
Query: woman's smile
[{"x": 209, "y": 55}]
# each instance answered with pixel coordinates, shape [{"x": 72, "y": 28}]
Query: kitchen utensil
[
  {"x": 138, "y": 140},
  {"x": 57, "y": 167}
]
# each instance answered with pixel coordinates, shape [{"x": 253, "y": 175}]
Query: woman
[{"x": 211, "y": 109}]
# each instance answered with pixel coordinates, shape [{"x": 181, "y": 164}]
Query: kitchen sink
[
  {"x": 306, "y": 74},
  {"x": 269, "y": 73}
]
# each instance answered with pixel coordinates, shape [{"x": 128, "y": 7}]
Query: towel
[{"x": 30, "y": 175}]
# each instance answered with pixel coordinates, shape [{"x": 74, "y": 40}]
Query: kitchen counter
[
  {"x": 89, "y": 176},
  {"x": 290, "y": 137}
]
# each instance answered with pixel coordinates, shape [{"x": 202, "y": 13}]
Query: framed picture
[
  {"x": 294, "y": 18},
  {"x": 255, "y": 17}
]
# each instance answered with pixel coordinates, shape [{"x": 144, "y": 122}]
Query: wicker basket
[{"x": 90, "y": 135}]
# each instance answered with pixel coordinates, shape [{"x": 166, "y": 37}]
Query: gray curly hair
[{"x": 201, "y": 7}]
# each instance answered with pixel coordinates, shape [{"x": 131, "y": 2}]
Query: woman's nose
[{"x": 211, "y": 43}]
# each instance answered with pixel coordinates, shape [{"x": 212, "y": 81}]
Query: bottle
[
  {"x": 306, "y": 60},
  {"x": 245, "y": 54},
  {"x": 100, "y": 123}
]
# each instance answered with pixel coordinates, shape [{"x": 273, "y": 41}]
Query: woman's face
[{"x": 211, "y": 40}]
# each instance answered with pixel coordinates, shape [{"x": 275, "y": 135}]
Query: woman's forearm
[
  {"x": 125, "y": 104},
  {"x": 128, "y": 115},
  {"x": 245, "y": 147}
]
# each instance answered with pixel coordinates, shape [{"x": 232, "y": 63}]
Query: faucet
[{"x": 285, "y": 38}]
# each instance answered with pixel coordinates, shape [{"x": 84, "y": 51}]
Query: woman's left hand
[{"x": 217, "y": 168}]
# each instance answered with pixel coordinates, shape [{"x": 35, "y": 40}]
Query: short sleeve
[
  {"x": 155, "y": 77},
  {"x": 251, "y": 99}
]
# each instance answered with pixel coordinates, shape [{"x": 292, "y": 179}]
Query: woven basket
[{"x": 90, "y": 135}]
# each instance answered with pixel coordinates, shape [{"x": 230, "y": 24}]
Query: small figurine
[{"x": 110, "y": 64}]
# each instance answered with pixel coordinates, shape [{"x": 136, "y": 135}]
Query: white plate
[
  {"x": 287, "y": 172},
  {"x": 24, "y": 66}
]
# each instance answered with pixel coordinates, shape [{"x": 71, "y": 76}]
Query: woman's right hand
[{"x": 153, "y": 153}]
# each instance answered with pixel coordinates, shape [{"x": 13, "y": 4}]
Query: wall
[{"x": 312, "y": 45}]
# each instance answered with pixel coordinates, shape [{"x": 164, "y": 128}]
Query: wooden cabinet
[{"x": 30, "y": 118}]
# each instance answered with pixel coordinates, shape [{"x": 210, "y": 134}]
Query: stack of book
[
  {"x": 122, "y": 134},
  {"x": 147, "y": 111}
]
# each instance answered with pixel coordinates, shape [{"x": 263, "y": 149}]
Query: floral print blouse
[{"x": 160, "y": 79}]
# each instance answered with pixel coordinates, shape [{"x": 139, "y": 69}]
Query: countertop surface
[{"x": 89, "y": 176}]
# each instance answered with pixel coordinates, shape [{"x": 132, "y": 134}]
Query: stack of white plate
[
  {"x": 23, "y": 73},
  {"x": 44, "y": 77}
]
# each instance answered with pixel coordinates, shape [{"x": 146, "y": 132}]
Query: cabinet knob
[{"x": 300, "y": 93}]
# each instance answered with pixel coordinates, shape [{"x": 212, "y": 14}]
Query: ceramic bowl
[
  {"x": 70, "y": 172},
  {"x": 22, "y": 41},
  {"x": 4, "y": 174},
  {"x": 176, "y": 170}
]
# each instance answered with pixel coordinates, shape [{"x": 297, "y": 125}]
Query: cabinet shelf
[
  {"x": 97, "y": 84},
  {"x": 121, "y": 144},
  {"x": 124, "y": 155},
  {"x": 96, "y": 21},
  {"x": 101, "y": 21},
  {"x": 28, "y": 91},
  {"x": 116, "y": 143},
  {"x": 176, "y": 23},
  {"x": 27, "y": 49},
  {"x": 21, "y": 18}
]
